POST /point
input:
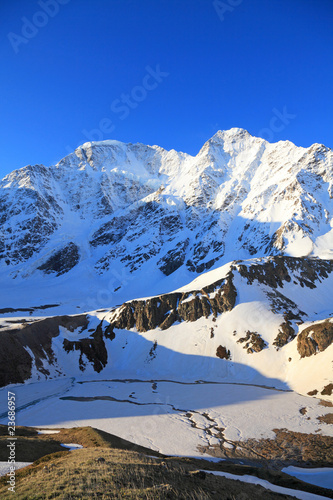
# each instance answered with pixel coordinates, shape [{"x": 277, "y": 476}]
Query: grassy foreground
[
  {"x": 123, "y": 474},
  {"x": 109, "y": 467}
]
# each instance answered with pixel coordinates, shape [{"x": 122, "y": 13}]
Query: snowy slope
[
  {"x": 114, "y": 221},
  {"x": 266, "y": 322}
]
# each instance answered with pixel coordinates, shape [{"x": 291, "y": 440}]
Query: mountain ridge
[{"x": 111, "y": 205}]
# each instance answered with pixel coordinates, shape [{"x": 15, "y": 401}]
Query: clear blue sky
[{"x": 65, "y": 73}]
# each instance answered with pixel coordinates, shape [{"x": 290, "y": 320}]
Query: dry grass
[
  {"x": 30, "y": 446},
  {"x": 126, "y": 472},
  {"x": 123, "y": 475}
]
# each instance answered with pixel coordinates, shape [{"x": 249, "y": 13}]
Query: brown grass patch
[
  {"x": 124, "y": 474},
  {"x": 327, "y": 419}
]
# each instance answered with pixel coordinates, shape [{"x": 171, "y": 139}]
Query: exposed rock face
[
  {"x": 253, "y": 342},
  {"x": 93, "y": 347},
  {"x": 280, "y": 303},
  {"x": 278, "y": 270},
  {"x": 110, "y": 232},
  {"x": 194, "y": 309},
  {"x": 328, "y": 389},
  {"x": 199, "y": 263},
  {"x": 35, "y": 212},
  {"x": 223, "y": 353},
  {"x": 306, "y": 346},
  {"x": 286, "y": 333},
  {"x": 16, "y": 361},
  {"x": 315, "y": 338},
  {"x": 62, "y": 261},
  {"x": 326, "y": 419},
  {"x": 165, "y": 310},
  {"x": 173, "y": 259}
]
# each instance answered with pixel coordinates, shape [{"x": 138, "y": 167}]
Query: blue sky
[{"x": 166, "y": 72}]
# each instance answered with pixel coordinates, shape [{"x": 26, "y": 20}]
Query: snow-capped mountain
[
  {"x": 116, "y": 221},
  {"x": 112, "y": 223},
  {"x": 182, "y": 303}
]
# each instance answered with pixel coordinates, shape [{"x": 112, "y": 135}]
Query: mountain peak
[
  {"x": 233, "y": 135},
  {"x": 111, "y": 205},
  {"x": 234, "y": 131}
]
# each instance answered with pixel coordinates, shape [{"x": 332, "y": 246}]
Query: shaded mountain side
[{"x": 31, "y": 344}]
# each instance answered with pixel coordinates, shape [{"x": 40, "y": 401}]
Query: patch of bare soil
[{"x": 323, "y": 402}]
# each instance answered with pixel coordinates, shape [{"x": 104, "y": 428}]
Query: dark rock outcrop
[
  {"x": 36, "y": 338},
  {"x": 111, "y": 232},
  {"x": 253, "y": 342},
  {"x": 174, "y": 258},
  {"x": 222, "y": 352},
  {"x": 191, "y": 310},
  {"x": 275, "y": 271},
  {"x": 93, "y": 348},
  {"x": 286, "y": 333},
  {"x": 327, "y": 391},
  {"x": 62, "y": 261},
  {"x": 166, "y": 309}
]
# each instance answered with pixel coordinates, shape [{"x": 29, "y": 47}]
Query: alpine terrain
[{"x": 183, "y": 303}]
